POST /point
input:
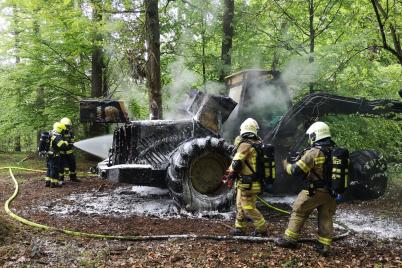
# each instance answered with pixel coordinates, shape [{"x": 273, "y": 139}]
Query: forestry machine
[{"x": 190, "y": 155}]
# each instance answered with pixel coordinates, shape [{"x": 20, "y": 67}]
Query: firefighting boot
[
  {"x": 54, "y": 184},
  {"x": 285, "y": 242},
  {"x": 61, "y": 181},
  {"x": 73, "y": 177},
  {"x": 259, "y": 233},
  {"x": 323, "y": 250},
  {"x": 47, "y": 183},
  {"x": 237, "y": 232}
]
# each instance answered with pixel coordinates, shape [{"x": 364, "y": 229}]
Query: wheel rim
[{"x": 206, "y": 173}]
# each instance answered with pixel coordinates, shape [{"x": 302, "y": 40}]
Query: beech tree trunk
[
  {"x": 153, "y": 72},
  {"x": 97, "y": 73},
  {"x": 227, "y": 37}
]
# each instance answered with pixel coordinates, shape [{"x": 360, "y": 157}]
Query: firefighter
[
  {"x": 317, "y": 195},
  {"x": 57, "y": 144},
  {"x": 242, "y": 170},
  {"x": 68, "y": 163}
]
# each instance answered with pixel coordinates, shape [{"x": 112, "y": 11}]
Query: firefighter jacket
[
  {"x": 70, "y": 138},
  {"x": 245, "y": 164},
  {"x": 311, "y": 164},
  {"x": 57, "y": 144}
]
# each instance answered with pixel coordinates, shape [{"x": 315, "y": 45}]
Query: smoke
[
  {"x": 214, "y": 87},
  {"x": 182, "y": 82},
  {"x": 298, "y": 73},
  {"x": 268, "y": 102},
  {"x": 265, "y": 101},
  {"x": 205, "y": 15}
]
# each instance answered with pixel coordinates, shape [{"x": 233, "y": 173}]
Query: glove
[
  {"x": 229, "y": 178},
  {"x": 339, "y": 198},
  {"x": 293, "y": 157},
  {"x": 42, "y": 153}
]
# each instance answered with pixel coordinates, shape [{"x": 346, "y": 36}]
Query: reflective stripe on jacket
[{"x": 311, "y": 163}]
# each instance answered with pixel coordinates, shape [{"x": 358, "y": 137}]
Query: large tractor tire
[
  {"x": 194, "y": 175},
  {"x": 368, "y": 178}
]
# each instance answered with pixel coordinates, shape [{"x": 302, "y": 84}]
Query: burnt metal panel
[
  {"x": 151, "y": 142},
  {"x": 103, "y": 111},
  {"x": 137, "y": 175}
]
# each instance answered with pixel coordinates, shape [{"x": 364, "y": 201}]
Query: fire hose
[{"x": 139, "y": 237}]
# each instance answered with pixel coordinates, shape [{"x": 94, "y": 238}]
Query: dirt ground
[{"x": 24, "y": 246}]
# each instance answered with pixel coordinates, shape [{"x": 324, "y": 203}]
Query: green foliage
[
  {"x": 137, "y": 111},
  {"x": 46, "y": 49},
  {"x": 355, "y": 132}
]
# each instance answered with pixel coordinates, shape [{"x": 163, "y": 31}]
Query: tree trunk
[
  {"x": 40, "y": 106},
  {"x": 227, "y": 37},
  {"x": 203, "y": 61},
  {"x": 97, "y": 64},
  {"x": 17, "y": 144},
  {"x": 312, "y": 38},
  {"x": 153, "y": 63},
  {"x": 276, "y": 56},
  {"x": 97, "y": 73}
]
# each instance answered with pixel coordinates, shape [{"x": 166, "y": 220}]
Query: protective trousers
[
  {"x": 68, "y": 166},
  {"x": 246, "y": 210},
  {"x": 53, "y": 169},
  {"x": 304, "y": 206}
]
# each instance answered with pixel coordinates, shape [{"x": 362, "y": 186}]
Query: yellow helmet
[
  {"x": 249, "y": 126},
  {"x": 59, "y": 127},
  {"x": 318, "y": 131},
  {"x": 66, "y": 121}
]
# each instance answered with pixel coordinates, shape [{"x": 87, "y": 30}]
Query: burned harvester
[{"x": 189, "y": 156}]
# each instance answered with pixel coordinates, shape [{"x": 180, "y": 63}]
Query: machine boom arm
[{"x": 319, "y": 104}]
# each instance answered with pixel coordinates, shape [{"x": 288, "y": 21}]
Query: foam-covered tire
[
  {"x": 368, "y": 177},
  {"x": 194, "y": 175}
]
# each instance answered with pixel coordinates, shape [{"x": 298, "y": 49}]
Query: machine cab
[{"x": 259, "y": 94}]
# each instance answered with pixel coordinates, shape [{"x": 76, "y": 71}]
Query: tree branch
[
  {"x": 72, "y": 66},
  {"x": 329, "y": 23},
  {"x": 377, "y": 7},
  {"x": 70, "y": 93},
  {"x": 292, "y": 19},
  {"x": 285, "y": 44}
]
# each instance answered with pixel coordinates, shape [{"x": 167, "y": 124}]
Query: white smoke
[
  {"x": 182, "y": 81},
  {"x": 298, "y": 73}
]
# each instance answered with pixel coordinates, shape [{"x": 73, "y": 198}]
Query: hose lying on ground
[{"x": 141, "y": 238}]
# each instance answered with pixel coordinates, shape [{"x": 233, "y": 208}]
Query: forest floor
[{"x": 24, "y": 246}]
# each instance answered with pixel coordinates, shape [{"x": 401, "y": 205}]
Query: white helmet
[
  {"x": 66, "y": 121},
  {"x": 318, "y": 131},
  {"x": 249, "y": 125}
]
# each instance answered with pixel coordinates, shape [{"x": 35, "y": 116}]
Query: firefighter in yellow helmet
[
  {"x": 68, "y": 163},
  {"x": 57, "y": 144},
  {"x": 243, "y": 167},
  {"x": 310, "y": 164}
]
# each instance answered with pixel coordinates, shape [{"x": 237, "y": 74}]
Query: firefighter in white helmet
[
  {"x": 242, "y": 170},
  {"x": 310, "y": 164},
  {"x": 68, "y": 162}
]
